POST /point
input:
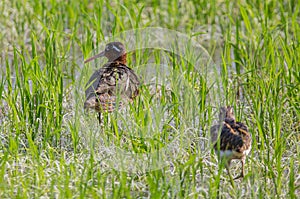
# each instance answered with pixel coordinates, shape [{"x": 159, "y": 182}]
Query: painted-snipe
[
  {"x": 114, "y": 84},
  {"x": 231, "y": 139}
]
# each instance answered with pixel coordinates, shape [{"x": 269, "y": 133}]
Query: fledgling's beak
[{"x": 94, "y": 57}]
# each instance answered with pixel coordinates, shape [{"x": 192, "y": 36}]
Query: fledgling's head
[{"x": 226, "y": 113}]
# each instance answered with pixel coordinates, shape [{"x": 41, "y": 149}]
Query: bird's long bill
[{"x": 94, "y": 57}]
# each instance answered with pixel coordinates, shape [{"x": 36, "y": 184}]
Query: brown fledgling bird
[
  {"x": 231, "y": 139},
  {"x": 114, "y": 84}
]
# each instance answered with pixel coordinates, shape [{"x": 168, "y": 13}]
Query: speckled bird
[
  {"x": 231, "y": 139},
  {"x": 114, "y": 84}
]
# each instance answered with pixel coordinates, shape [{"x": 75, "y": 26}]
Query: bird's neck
[
  {"x": 122, "y": 59},
  {"x": 226, "y": 118},
  {"x": 230, "y": 121}
]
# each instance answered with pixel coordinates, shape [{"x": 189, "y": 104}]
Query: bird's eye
[{"x": 116, "y": 48}]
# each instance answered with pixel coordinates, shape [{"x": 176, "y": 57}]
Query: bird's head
[
  {"x": 114, "y": 51},
  {"x": 226, "y": 113}
]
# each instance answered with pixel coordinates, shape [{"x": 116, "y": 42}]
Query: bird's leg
[
  {"x": 99, "y": 117},
  {"x": 242, "y": 173},
  {"x": 228, "y": 171},
  {"x": 227, "y": 166}
]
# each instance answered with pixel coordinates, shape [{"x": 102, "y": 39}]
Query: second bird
[
  {"x": 231, "y": 139},
  {"x": 112, "y": 85}
]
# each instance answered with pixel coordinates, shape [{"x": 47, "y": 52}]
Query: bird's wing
[
  {"x": 246, "y": 136},
  {"x": 234, "y": 136},
  {"x": 133, "y": 84},
  {"x": 93, "y": 83},
  {"x": 229, "y": 138},
  {"x": 108, "y": 83}
]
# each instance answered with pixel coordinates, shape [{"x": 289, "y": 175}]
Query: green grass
[{"x": 50, "y": 148}]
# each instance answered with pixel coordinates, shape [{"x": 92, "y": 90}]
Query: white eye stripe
[{"x": 116, "y": 48}]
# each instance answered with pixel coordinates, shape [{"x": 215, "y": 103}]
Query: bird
[
  {"x": 114, "y": 84},
  {"x": 231, "y": 139}
]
